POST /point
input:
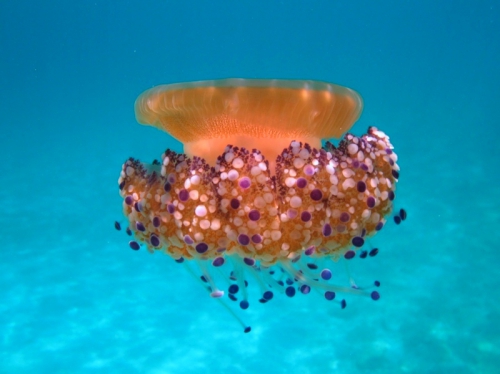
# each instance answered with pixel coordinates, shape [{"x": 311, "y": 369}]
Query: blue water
[{"x": 75, "y": 299}]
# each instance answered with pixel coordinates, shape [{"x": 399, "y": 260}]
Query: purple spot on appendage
[
  {"x": 312, "y": 266},
  {"x": 363, "y": 254},
  {"x": 305, "y": 216},
  {"x": 373, "y": 252},
  {"x": 391, "y": 195},
  {"x": 232, "y": 297},
  {"x": 201, "y": 247},
  {"x": 256, "y": 238},
  {"x": 218, "y": 261},
  {"x": 379, "y": 226},
  {"x": 118, "y": 226},
  {"x": 397, "y": 220},
  {"x": 188, "y": 240},
  {"x": 363, "y": 166},
  {"x": 268, "y": 295},
  {"x": 355, "y": 164},
  {"x": 326, "y": 274},
  {"x": 309, "y": 251},
  {"x": 128, "y": 231},
  {"x": 376, "y": 284},
  {"x": 327, "y": 230},
  {"x": 233, "y": 289},
  {"x": 138, "y": 206},
  {"x": 402, "y": 214},
  {"x": 309, "y": 170},
  {"x": 329, "y": 295},
  {"x": 370, "y": 201},
  {"x": 171, "y": 208},
  {"x": 395, "y": 174},
  {"x": 180, "y": 260},
  {"x": 344, "y": 217},
  {"x": 167, "y": 187},
  {"x": 139, "y": 226},
  {"x": 343, "y": 304},
  {"x": 183, "y": 195},
  {"x": 254, "y": 215},
  {"x": 305, "y": 289},
  {"x": 358, "y": 241},
  {"x": 129, "y": 200},
  {"x": 316, "y": 195},
  {"x": 301, "y": 183},
  {"x": 290, "y": 291},
  {"x": 245, "y": 182},
  {"x": 235, "y": 203},
  {"x": 349, "y": 254},
  {"x": 134, "y": 245},
  {"x": 249, "y": 261},
  {"x": 243, "y": 239},
  {"x": 244, "y": 304},
  {"x": 361, "y": 186},
  {"x": 375, "y": 295},
  {"x": 171, "y": 178},
  {"x": 388, "y": 151},
  {"x": 156, "y": 221},
  {"x": 155, "y": 241}
]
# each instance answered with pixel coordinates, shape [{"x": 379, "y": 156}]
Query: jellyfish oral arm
[{"x": 210, "y": 149}]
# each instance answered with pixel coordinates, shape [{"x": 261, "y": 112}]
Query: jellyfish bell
[
  {"x": 258, "y": 114},
  {"x": 255, "y": 196}
]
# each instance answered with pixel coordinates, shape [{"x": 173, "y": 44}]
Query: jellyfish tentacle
[
  {"x": 268, "y": 278},
  {"x": 301, "y": 277},
  {"x": 239, "y": 275},
  {"x": 246, "y": 328}
]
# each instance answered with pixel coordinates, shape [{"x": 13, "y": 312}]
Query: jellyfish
[{"x": 256, "y": 199}]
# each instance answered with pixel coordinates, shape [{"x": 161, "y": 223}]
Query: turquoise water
[{"x": 75, "y": 299}]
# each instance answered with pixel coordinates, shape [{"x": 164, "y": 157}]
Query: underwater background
[{"x": 74, "y": 298}]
